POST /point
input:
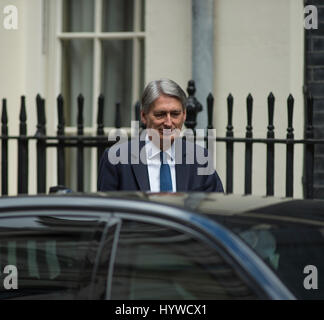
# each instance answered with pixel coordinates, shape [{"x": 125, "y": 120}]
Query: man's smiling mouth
[{"x": 167, "y": 132}]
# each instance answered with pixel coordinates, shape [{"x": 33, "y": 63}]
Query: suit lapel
[{"x": 139, "y": 168}]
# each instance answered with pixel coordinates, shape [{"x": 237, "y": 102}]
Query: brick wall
[{"x": 314, "y": 81}]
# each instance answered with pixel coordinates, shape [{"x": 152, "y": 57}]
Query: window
[
  {"x": 156, "y": 262},
  {"x": 99, "y": 50},
  {"x": 54, "y": 256},
  {"x": 288, "y": 250},
  {"x": 102, "y": 52}
]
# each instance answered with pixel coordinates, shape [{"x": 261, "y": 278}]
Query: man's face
[{"x": 166, "y": 116}]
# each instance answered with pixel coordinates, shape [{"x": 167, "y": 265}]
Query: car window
[
  {"x": 54, "y": 255},
  {"x": 157, "y": 262},
  {"x": 289, "y": 246},
  {"x": 289, "y": 251}
]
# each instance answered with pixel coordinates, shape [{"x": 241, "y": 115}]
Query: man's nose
[{"x": 168, "y": 121}]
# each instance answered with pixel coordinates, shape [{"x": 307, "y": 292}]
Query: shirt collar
[{"x": 153, "y": 151}]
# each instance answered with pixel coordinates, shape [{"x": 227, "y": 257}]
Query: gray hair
[{"x": 157, "y": 88}]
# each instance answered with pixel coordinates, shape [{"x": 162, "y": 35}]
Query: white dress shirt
[{"x": 154, "y": 164}]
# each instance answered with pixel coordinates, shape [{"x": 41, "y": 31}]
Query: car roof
[
  {"x": 177, "y": 207},
  {"x": 287, "y": 210}
]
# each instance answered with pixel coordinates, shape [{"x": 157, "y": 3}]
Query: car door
[
  {"x": 55, "y": 253},
  {"x": 159, "y": 259}
]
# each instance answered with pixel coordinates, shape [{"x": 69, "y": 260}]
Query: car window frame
[
  {"x": 199, "y": 236},
  {"x": 111, "y": 257},
  {"x": 102, "y": 217}
]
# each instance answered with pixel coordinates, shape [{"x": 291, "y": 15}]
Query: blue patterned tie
[{"x": 165, "y": 175}]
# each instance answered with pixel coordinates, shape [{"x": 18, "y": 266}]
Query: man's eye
[{"x": 159, "y": 115}]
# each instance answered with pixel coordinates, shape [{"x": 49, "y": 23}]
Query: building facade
[{"x": 115, "y": 47}]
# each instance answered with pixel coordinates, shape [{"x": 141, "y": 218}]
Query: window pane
[
  {"x": 118, "y": 15},
  {"x": 142, "y": 19},
  {"x": 117, "y": 79},
  {"x": 78, "y": 15},
  {"x": 77, "y": 75},
  {"x": 142, "y": 69},
  {"x": 156, "y": 262},
  {"x": 50, "y": 253}
]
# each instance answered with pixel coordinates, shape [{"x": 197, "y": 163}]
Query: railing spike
[
  {"x": 4, "y": 115},
  {"x": 290, "y": 106},
  {"x": 137, "y": 111},
  {"x": 193, "y": 106},
  {"x": 210, "y": 110},
  {"x": 101, "y": 103},
  {"x": 117, "y": 116},
  {"x": 23, "y": 115},
  {"x": 271, "y": 101},
  {"x": 249, "y": 105},
  {"x": 230, "y": 101}
]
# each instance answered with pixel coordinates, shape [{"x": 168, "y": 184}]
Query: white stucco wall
[
  {"x": 258, "y": 49},
  {"x": 22, "y": 73},
  {"x": 12, "y": 81},
  {"x": 168, "y": 40}
]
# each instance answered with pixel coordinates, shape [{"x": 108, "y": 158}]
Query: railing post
[
  {"x": 210, "y": 109},
  {"x": 270, "y": 146},
  {"x": 100, "y": 128},
  {"x": 229, "y": 145},
  {"x": 4, "y": 149},
  {"x": 80, "y": 152},
  {"x": 290, "y": 149},
  {"x": 60, "y": 147},
  {"x": 22, "y": 150},
  {"x": 193, "y": 106},
  {"x": 248, "y": 147},
  {"x": 41, "y": 145},
  {"x": 138, "y": 115},
  {"x": 210, "y": 137},
  {"x": 117, "y": 116},
  {"x": 309, "y": 157}
]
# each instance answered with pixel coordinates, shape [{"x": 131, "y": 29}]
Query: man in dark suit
[{"x": 160, "y": 161}]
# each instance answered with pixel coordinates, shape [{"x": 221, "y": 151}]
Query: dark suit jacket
[{"x": 134, "y": 177}]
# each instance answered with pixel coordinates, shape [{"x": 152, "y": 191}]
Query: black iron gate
[{"x": 61, "y": 141}]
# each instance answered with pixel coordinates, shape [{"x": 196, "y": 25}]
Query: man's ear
[
  {"x": 184, "y": 115},
  {"x": 143, "y": 117}
]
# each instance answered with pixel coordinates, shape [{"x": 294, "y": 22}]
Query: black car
[{"x": 160, "y": 246}]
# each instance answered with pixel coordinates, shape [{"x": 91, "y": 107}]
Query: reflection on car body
[{"x": 160, "y": 246}]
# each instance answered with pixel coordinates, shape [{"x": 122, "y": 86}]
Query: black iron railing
[{"x": 61, "y": 142}]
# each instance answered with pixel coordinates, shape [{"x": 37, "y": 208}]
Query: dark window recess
[
  {"x": 54, "y": 256},
  {"x": 156, "y": 262},
  {"x": 314, "y": 83}
]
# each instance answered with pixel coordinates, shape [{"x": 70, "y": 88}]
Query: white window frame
[{"x": 56, "y": 35}]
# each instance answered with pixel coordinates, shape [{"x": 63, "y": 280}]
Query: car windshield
[{"x": 293, "y": 248}]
